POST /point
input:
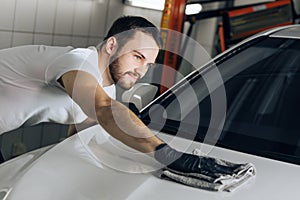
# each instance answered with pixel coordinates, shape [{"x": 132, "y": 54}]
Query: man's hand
[{"x": 188, "y": 163}]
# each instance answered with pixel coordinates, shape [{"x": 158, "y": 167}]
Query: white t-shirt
[{"x": 29, "y": 90}]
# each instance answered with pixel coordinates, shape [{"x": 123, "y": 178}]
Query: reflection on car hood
[{"x": 74, "y": 169}]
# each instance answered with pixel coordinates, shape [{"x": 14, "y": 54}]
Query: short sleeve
[{"x": 83, "y": 59}]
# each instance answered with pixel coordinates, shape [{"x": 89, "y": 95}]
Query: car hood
[{"x": 93, "y": 165}]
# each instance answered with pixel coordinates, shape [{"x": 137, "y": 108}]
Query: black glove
[{"x": 188, "y": 163}]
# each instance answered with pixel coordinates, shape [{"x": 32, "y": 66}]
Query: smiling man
[
  {"x": 131, "y": 46},
  {"x": 133, "y": 59}
]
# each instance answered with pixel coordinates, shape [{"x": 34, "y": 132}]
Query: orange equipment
[{"x": 172, "y": 19}]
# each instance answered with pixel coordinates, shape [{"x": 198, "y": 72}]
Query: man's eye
[{"x": 138, "y": 57}]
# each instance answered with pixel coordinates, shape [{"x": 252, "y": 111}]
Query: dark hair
[{"x": 128, "y": 25}]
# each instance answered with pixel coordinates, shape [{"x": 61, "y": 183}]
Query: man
[
  {"x": 131, "y": 46},
  {"x": 76, "y": 86}
]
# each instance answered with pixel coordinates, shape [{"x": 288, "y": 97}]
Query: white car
[{"x": 244, "y": 105}]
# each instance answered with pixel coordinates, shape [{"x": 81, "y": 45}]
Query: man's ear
[{"x": 111, "y": 45}]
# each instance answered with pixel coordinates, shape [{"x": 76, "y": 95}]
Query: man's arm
[
  {"x": 74, "y": 128},
  {"x": 125, "y": 126},
  {"x": 113, "y": 116}
]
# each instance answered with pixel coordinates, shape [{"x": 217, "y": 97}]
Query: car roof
[
  {"x": 288, "y": 31},
  {"x": 292, "y": 31}
]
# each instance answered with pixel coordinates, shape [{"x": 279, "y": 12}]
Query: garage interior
[{"x": 82, "y": 23}]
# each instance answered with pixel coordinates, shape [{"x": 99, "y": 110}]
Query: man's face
[{"x": 133, "y": 60}]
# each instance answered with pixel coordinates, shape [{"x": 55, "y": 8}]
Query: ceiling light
[
  {"x": 192, "y": 9},
  {"x": 150, "y": 4}
]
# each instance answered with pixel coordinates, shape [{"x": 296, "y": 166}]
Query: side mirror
[{"x": 140, "y": 95}]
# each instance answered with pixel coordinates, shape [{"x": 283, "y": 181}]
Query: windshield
[{"x": 261, "y": 97}]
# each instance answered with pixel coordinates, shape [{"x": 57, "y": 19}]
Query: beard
[{"x": 119, "y": 78}]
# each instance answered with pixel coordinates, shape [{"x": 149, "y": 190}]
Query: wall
[
  {"x": 79, "y": 23},
  {"x": 56, "y": 22}
]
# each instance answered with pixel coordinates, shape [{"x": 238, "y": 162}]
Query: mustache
[{"x": 135, "y": 74}]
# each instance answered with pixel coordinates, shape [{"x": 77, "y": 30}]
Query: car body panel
[{"x": 69, "y": 170}]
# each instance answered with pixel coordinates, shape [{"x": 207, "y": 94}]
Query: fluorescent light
[
  {"x": 192, "y": 9},
  {"x": 150, "y": 4}
]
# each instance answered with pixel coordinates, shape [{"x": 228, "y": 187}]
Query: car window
[{"x": 262, "y": 110}]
